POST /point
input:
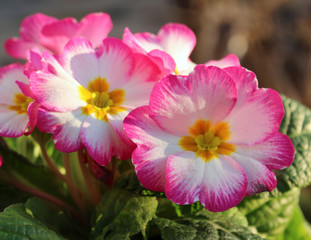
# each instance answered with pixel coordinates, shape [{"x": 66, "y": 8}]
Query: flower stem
[
  {"x": 93, "y": 191},
  {"x": 76, "y": 194},
  {"x": 58, "y": 202},
  {"x": 50, "y": 163},
  {"x": 115, "y": 163}
]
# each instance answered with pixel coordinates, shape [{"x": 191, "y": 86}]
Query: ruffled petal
[
  {"x": 116, "y": 63},
  {"x": 8, "y": 88},
  {"x": 80, "y": 61},
  {"x": 138, "y": 88},
  {"x": 246, "y": 84},
  {"x": 11, "y": 123},
  {"x": 31, "y": 26},
  {"x": 55, "y": 90},
  {"x": 218, "y": 184},
  {"x": 66, "y": 128},
  {"x": 141, "y": 42},
  {"x": 150, "y": 167},
  {"x": 208, "y": 93},
  {"x": 32, "y": 113},
  {"x": 56, "y": 35},
  {"x": 117, "y": 123},
  {"x": 18, "y": 48},
  {"x": 102, "y": 142},
  {"x": 154, "y": 148},
  {"x": 276, "y": 153},
  {"x": 177, "y": 40},
  {"x": 95, "y": 27},
  {"x": 258, "y": 119},
  {"x": 227, "y": 61},
  {"x": 259, "y": 177}
]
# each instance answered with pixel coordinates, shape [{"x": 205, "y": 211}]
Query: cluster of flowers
[{"x": 196, "y": 132}]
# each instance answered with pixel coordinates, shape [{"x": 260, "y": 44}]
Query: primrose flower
[
  {"x": 171, "y": 48},
  {"x": 87, "y": 94},
  {"x": 18, "y": 111},
  {"x": 210, "y": 137},
  {"x": 48, "y": 33}
]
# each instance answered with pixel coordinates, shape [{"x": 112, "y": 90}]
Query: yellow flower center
[
  {"x": 208, "y": 141},
  {"x": 21, "y": 103},
  {"x": 100, "y": 101}
]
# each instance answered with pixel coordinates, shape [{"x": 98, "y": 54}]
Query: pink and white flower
[
  {"x": 48, "y": 33},
  {"x": 210, "y": 137},
  {"x": 88, "y": 93},
  {"x": 18, "y": 111},
  {"x": 171, "y": 48}
]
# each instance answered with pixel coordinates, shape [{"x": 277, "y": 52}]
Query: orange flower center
[
  {"x": 100, "y": 101},
  {"x": 21, "y": 103},
  {"x": 208, "y": 141}
]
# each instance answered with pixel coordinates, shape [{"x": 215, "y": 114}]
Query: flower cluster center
[
  {"x": 100, "y": 101},
  {"x": 208, "y": 141},
  {"x": 21, "y": 103}
]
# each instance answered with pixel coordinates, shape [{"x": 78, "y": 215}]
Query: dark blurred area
[{"x": 271, "y": 37}]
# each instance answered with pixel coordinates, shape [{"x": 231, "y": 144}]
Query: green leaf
[
  {"x": 297, "y": 229},
  {"x": 18, "y": 222},
  {"x": 56, "y": 220},
  {"x": 122, "y": 214},
  {"x": 17, "y": 169},
  {"x": 297, "y": 125},
  {"x": 201, "y": 229},
  {"x": 270, "y": 214}
]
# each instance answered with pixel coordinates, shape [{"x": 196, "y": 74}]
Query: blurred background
[{"x": 271, "y": 37}]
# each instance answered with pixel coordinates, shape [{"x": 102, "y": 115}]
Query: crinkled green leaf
[
  {"x": 122, "y": 213},
  {"x": 201, "y": 229},
  {"x": 270, "y": 214},
  {"x": 56, "y": 220},
  {"x": 297, "y": 125},
  {"x": 297, "y": 229},
  {"x": 18, "y": 222}
]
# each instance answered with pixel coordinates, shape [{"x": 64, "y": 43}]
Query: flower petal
[
  {"x": 56, "y": 35},
  {"x": 102, "y": 142},
  {"x": 258, "y": 119},
  {"x": 55, "y": 90},
  {"x": 227, "y": 61},
  {"x": 31, "y": 26},
  {"x": 275, "y": 153},
  {"x": 11, "y": 123},
  {"x": 80, "y": 61},
  {"x": 154, "y": 148},
  {"x": 30, "y": 32},
  {"x": 141, "y": 42},
  {"x": 177, "y": 40},
  {"x": 145, "y": 132},
  {"x": 138, "y": 88},
  {"x": 116, "y": 63},
  {"x": 259, "y": 177},
  {"x": 18, "y": 48},
  {"x": 95, "y": 27},
  {"x": 32, "y": 113},
  {"x": 117, "y": 123},
  {"x": 246, "y": 83},
  {"x": 8, "y": 76},
  {"x": 208, "y": 93},
  {"x": 218, "y": 184},
  {"x": 150, "y": 167},
  {"x": 66, "y": 128}
]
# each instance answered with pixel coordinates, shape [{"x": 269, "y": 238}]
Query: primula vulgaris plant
[{"x": 201, "y": 139}]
